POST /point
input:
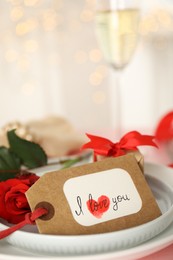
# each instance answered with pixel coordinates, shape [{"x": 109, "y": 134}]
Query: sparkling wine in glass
[{"x": 117, "y": 23}]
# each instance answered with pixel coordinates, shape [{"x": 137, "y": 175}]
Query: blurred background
[{"x": 51, "y": 64}]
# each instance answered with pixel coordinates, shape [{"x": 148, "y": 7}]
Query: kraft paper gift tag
[{"x": 99, "y": 197}]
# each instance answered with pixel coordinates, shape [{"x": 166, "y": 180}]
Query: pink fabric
[{"x": 164, "y": 254}]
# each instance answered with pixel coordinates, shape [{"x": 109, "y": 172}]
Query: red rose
[{"x": 13, "y": 202}]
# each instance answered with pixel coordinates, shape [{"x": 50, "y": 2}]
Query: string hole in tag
[{"x": 49, "y": 207}]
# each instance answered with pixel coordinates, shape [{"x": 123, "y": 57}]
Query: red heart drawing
[{"x": 97, "y": 208}]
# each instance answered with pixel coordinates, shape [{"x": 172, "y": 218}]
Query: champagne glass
[{"x": 117, "y": 23}]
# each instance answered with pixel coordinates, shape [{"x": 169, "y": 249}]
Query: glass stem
[{"x": 116, "y": 103}]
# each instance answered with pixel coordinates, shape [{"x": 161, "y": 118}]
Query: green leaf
[
  {"x": 9, "y": 164},
  {"x": 7, "y": 174},
  {"x": 31, "y": 154},
  {"x": 11, "y": 160}
]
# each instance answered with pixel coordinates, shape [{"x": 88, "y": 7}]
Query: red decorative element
[
  {"x": 97, "y": 208},
  {"x": 13, "y": 202},
  {"x": 164, "y": 130},
  {"x": 130, "y": 141},
  {"x": 29, "y": 219}
]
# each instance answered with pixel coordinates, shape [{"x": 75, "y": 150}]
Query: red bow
[{"x": 130, "y": 141}]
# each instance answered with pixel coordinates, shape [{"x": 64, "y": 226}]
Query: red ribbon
[
  {"x": 29, "y": 220},
  {"x": 130, "y": 141}
]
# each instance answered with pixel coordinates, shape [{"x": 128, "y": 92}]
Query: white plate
[
  {"x": 158, "y": 175},
  {"x": 55, "y": 164}
]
